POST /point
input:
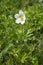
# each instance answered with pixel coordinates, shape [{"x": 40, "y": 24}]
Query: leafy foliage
[{"x": 21, "y": 44}]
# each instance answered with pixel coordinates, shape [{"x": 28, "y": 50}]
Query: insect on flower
[{"x": 20, "y": 17}]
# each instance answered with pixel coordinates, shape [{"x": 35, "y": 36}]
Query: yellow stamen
[{"x": 21, "y": 17}]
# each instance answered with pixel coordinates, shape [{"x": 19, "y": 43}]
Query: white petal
[
  {"x": 18, "y": 20},
  {"x": 22, "y": 22},
  {"x": 16, "y": 15},
  {"x": 21, "y": 12}
]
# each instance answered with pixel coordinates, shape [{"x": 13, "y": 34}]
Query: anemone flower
[{"x": 20, "y": 17}]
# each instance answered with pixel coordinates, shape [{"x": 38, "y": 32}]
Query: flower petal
[
  {"x": 16, "y": 16},
  {"x": 21, "y": 12},
  {"x": 22, "y": 22},
  {"x": 18, "y": 20}
]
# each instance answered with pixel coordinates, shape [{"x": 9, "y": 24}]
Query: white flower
[{"x": 20, "y": 17}]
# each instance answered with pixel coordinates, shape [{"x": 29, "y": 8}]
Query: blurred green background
[{"x": 21, "y": 44}]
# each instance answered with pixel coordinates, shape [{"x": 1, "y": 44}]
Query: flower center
[{"x": 21, "y": 17}]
